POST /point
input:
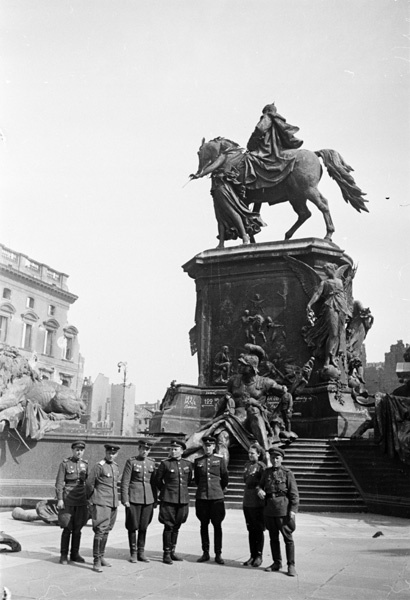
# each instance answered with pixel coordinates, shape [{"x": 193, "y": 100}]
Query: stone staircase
[{"x": 324, "y": 483}]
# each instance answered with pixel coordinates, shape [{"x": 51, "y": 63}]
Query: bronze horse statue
[{"x": 236, "y": 184}]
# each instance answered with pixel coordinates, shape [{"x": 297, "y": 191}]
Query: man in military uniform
[
  {"x": 172, "y": 480},
  {"x": 72, "y": 502},
  {"x": 138, "y": 495},
  {"x": 211, "y": 477},
  {"x": 102, "y": 494},
  {"x": 279, "y": 490}
]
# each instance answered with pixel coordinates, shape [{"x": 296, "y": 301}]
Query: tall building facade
[
  {"x": 110, "y": 407},
  {"x": 34, "y": 306},
  {"x": 122, "y": 408}
]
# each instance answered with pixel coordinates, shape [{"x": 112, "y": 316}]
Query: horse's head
[{"x": 209, "y": 151}]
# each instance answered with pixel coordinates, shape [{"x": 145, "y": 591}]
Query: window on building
[
  {"x": 68, "y": 351},
  {"x": 27, "y": 336},
  {"x": 30, "y": 302},
  {"x": 6, "y": 293},
  {"x": 51, "y": 310},
  {"x": 48, "y": 342},
  {"x": 3, "y": 328}
]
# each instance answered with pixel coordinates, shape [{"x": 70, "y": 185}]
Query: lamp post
[{"x": 123, "y": 365}]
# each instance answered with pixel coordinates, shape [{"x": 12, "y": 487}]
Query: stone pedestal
[
  {"x": 258, "y": 294},
  {"x": 185, "y": 409}
]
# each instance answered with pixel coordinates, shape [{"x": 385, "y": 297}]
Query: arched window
[
  {"x": 7, "y": 310},
  {"x": 70, "y": 333},
  {"x": 51, "y": 327},
  {"x": 28, "y": 318}
]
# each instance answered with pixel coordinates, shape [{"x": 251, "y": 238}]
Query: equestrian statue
[{"x": 273, "y": 169}]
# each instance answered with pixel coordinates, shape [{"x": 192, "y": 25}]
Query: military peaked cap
[
  {"x": 175, "y": 442},
  {"x": 208, "y": 440},
  {"x": 277, "y": 452},
  {"x": 78, "y": 444},
  {"x": 113, "y": 447},
  {"x": 145, "y": 444}
]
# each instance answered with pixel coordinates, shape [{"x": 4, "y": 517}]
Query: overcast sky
[{"x": 103, "y": 107}]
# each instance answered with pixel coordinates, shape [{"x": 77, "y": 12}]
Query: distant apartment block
[
  {"x": 143, "y": 414},
  {"x": 382, "y": 376},
  {"x": 110, "y": 407}
]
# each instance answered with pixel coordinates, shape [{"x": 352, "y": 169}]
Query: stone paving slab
[{"x": 337, "y": 558}]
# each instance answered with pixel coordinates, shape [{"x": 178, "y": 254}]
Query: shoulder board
[
  {"x": 84, "y": 460},
  {"x": 102, "y": 462},
  {"x": 66, "y": 460},
  {"x": 217, "y": 455}
]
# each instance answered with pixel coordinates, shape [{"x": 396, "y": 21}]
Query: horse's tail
[{"x": 339, "y": 170}]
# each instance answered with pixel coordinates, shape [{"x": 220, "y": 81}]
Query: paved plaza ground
[{"x": 337, "y": 558}]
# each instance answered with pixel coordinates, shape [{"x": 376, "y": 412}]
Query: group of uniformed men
[{"x": 81, "y": 494}]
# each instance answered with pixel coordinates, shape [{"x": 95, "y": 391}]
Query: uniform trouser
[
  {"x": 256, "y": 526},
  {"x": 78, "y": 516},
  {"x": 276, "y": 525},
  {"x": 103, "y": 518},
  {"x": 210, "y": 511},
  {"x": 172, "y": 516},
  {"x": 137, "y": 518}
]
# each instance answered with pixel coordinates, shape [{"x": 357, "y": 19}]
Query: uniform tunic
[
  {"x": 211, "y": 477},
  {"x": 252, "y": 476},
  {"x": 138, "y": 489},
  {"x": 172, "y": 480},
  {"x": 70, "y": 482},
  {"x": 137, "y": 481},
  {"x": 70, "y": 487},
  {"x": 282, "y": 498},
  {"x": 102, "y": 493},
  {"x": 253, "y": 506},
  {"x": 102, "y": 484}
]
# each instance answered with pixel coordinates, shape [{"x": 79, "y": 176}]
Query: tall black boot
[
  {"x": 104, "y": 563},
  {"x": 64, "y": 546},
  {"x": 251, "y": 548},
  {"x": 97, "y": 553},
  {"x": 132, "y": 541},
  {"x": 166, "y": 540},
  {"x": 75, "y": 555},
  {"x": 141, "y": 546},
  {"x": 174, "y": 539},
  {"x": 205, "y": 544},
  {"x": 259, "y": 541},
  {"x": 276, "y": 555},
  {"x": 218, "y": 544},
  {"x": 290, "y": 557}
]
